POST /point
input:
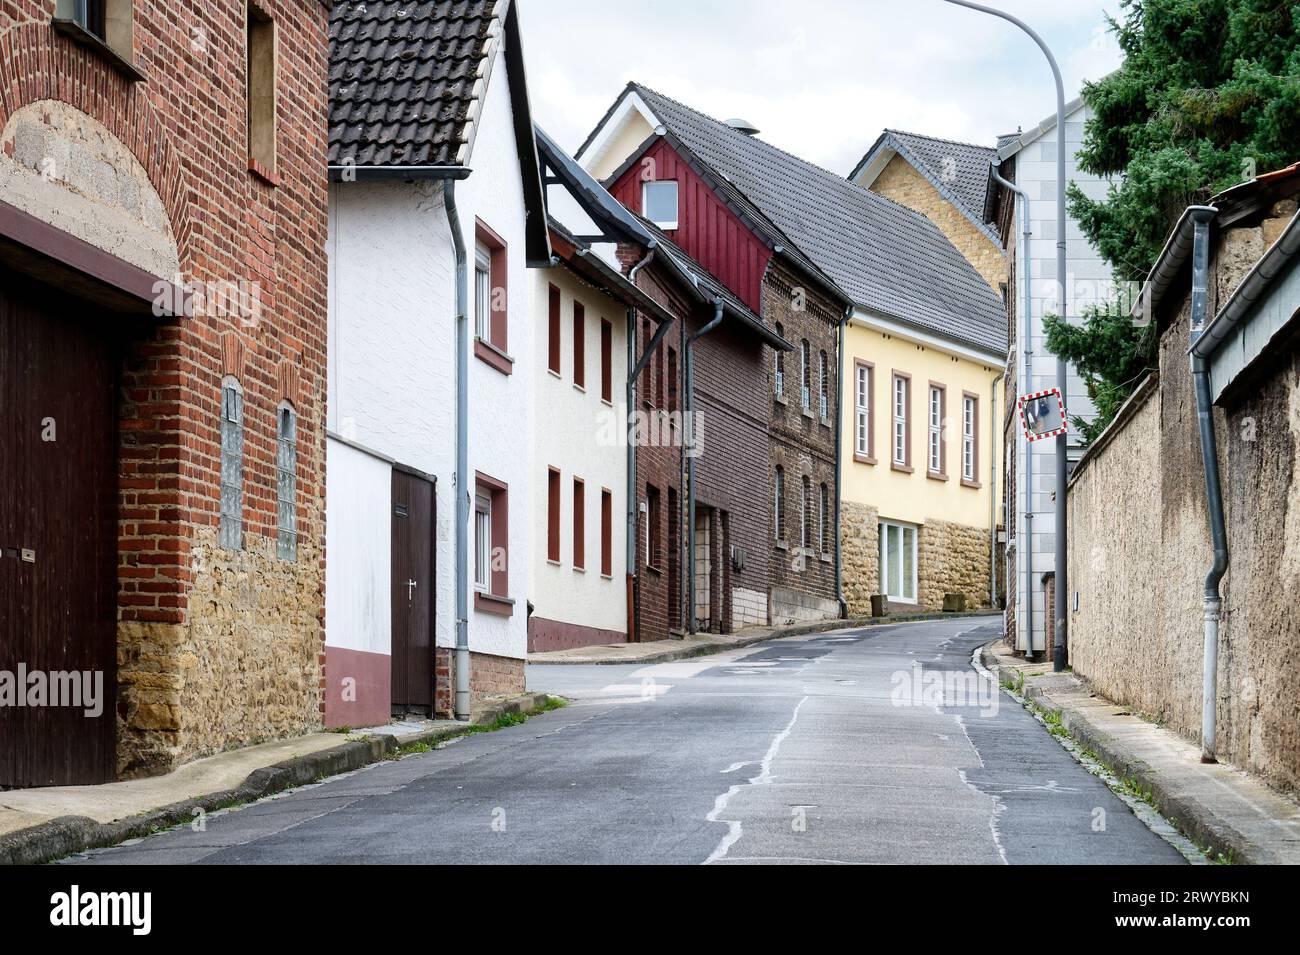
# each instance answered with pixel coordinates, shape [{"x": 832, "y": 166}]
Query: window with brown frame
[
  {"x": 492, "y": 546},
  {"x": 653, "y": 533},
  {"x": 579, "y": 524},
  {"x": 491, "y": 339},
  {"x": 936, "y": 447},
  {"x": 864, "y": 376},
  {"x": 900, "y": 451},
  {"x": 553, "y": 330},
  {"x": 606, "y": 361},
  {"x": 553, "y": 515},
  {"x": 579, "y": 345},
  {"x": 970, "y": 427},
  {"x": 606, "y": 533}
]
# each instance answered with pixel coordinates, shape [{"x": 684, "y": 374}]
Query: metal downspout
[
  {"x": 631, "y": 454},
  {"x": 462, "y": 454},
  {"x": 1025, "y": 344},
  {"x": 1213, "y": 601},
  {"x": 690, "y": 451},
  {"x": 994, "y": 417},
  {"x": 839, "y": 463}
]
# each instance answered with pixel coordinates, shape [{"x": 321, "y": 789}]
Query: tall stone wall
[
  {"x": 860, "y": 555},
  {"x": 952, "y": 559}
]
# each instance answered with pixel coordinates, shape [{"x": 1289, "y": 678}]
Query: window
[
  {"x": 491, "y": 270},
  {"x": 778, "y": 494},
  {"x": 553, "y": 515},
  {"x": 935, "y": 451},
  {"x": 260, "y": 87},
  {"x": 652, "y": 555},
  {"x": 606, "y": 533},
  {"x": 659, "y": 203},
  {"x": 579, "y": 345},
  {"x": 286, "y": 484},
  {"x": 970, "y": 423},
  {"x": 805, "y": 515},
  {"x": 805, "y": 374},
  {"x": 483, "y": 292},
  {"x": 492, "y": 546},
  {"x": 902, "y": 430},
  {"x": 898, "y": 561},
  {"x": 672, "y": 380},
  {"x": 483, "y": 542},
  {"x": 104, "y": 25},
  {"x": 823, "y": 521},
  {"x": 779, "y": 381},
  {"x": 647, "y": 371},
  {"x": 579, "y": 524},
  {"x": 231, "y": 532},
  {"x": 824, "y": 404},
  {"x": 553, "y": 324},
  {"x": 863, "y": 373},
  {"x": 606, "y": 362}
]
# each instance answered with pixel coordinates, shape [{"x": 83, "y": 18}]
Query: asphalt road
[{"x": 872, "y": 746}]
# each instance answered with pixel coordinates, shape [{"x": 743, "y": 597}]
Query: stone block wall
[
  {"x": 860, "y": 555},
  {"x": 952, "y": 559}
]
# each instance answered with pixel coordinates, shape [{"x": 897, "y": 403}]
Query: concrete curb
[
  {"x": 68, "y": 834},
  {"x": 794, "y": 630},
  {"x": 1192, "y": 818}
]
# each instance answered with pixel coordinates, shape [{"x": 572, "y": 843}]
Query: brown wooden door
[
  {"x": 58, "y": 535},
  {"x": 413, "y": 598}
]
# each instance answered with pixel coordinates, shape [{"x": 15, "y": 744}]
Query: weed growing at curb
[{"x": 504, "y": 721}]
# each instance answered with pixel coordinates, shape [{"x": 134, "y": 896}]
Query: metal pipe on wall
[{"x": 462, "y": 453}]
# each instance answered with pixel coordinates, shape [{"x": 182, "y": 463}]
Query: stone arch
[{"x": 50, "y": 79}]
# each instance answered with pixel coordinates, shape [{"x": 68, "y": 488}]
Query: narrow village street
[{"x": 795, "y": 750}]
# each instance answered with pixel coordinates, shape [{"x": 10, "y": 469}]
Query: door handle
[{"x": 410, "y": 586}]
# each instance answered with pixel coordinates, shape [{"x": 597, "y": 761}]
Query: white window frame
[
  {"x": 778, "y": 383},
  {"x": 805, "y": 524},
  {"x": 903, "y": 531},
  {"x": 899, "y": 403},
  {"x": 934, "y": 444},
  {"x": 667, "y": 224},
  {"x": 862, "y": 406},
  {"x": 969, "y": 413},
  {"x": 286, "y": 482},
  {"x": 824, "y": 400},
  {"x": 779, "y": 503},
  {"x": 482, "y": 292},
  {"x": 805, "y": 373},
  {"x": 483, "y": 542},
  {"x": 824, "y": 507}
]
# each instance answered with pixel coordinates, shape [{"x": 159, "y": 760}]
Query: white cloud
[{"x": 819, "y": 77}]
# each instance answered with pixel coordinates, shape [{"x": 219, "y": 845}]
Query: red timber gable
[{"x": 707, "y": 230}]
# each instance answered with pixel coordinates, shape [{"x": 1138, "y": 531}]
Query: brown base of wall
[
  {"x": 544, "y": 635},
  {"x": 488, "y": 676},
  {"x": 358, "y": 688}
]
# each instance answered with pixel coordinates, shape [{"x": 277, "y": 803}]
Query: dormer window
[{"x": 659, "y": 203}]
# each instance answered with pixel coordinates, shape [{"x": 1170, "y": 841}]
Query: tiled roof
[
  {"x": 962, "y": 167},
  {"x": 885, "y": 256},
  {"x": 403, "y": 79}
]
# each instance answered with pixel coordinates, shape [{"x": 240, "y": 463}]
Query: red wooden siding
[{"x": 706, "y": 229}]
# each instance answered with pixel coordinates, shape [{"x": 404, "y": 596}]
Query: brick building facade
[{"x": 171, "y": 164}]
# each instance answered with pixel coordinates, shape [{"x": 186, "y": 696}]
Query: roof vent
[{"x": 742, "y": 126}]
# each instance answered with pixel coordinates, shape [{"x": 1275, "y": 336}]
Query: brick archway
[{"x": 40, "y": 65}]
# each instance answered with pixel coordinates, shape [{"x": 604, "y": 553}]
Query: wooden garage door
[{"x": 58, "y": 534}]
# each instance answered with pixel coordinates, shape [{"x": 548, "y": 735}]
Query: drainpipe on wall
[
  {"x": 1213, "y": 601},
  {"x": 839, "y": 464},
  {"x": 462, "y": 454},
  {"x": 994, "y": 417},
  {"x": 690, "y": 460},
  {"x": 631, "y": 453},
  {"x": 1025, "y": 344}
]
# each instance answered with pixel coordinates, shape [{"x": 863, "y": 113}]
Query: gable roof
[
  {"x": 959, "y": 171},
  {"x": 1014, "y": 144},
  {"x": 408, "y": 81},
  {"x": 886, "y": 257}
]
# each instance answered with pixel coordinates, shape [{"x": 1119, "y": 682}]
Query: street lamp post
[{"x": 1062, "y": 575}]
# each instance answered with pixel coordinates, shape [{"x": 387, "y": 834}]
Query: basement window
[
  {"x": 106, "y": 26},
  {"x": 659, "y": 203},
  {"x": 260, "y": 87}
]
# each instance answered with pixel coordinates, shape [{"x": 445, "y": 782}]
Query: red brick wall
[
  {"x": 488, "y": 676},
  {"x": 186, "y": 126}
]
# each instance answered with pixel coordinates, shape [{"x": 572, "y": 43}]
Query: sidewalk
[
  {"x": 702, "y": 644},
  {"x": 38, "y": 825},
  {"x": 1225, "y": 810}
]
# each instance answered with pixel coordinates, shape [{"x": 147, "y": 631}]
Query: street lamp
[{"x": 1062, "y": 582}]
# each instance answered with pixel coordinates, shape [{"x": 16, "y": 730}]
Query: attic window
[
  {"x": 659, "y": 203},
  {"x": 260, "y": 87},
  {"x": 102, "y": 25}
]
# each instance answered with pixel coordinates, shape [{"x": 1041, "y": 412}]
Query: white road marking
[{"x": 764, "y": 778}]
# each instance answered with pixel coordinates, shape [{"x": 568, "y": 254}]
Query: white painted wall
[
  {"x": 392, "y": 363},
  {"x": 1087, "y": 271},
  {"x": 574, "y": 433},
  {"x": 358, "y": 517}
]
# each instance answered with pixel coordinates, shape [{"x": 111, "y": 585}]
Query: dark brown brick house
[{"x": 162, "y": 354}]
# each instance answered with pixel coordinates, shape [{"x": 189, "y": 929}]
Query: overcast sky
[{"x": 819, "y": 78}]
